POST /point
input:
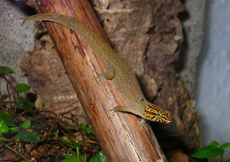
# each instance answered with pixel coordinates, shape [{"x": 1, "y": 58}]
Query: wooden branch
[{"x": 119, "y": 134}]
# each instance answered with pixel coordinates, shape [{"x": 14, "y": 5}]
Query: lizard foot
[{"x": 143, "y": 124}]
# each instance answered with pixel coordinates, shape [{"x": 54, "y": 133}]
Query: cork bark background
[{"x": 149, "y": 36}]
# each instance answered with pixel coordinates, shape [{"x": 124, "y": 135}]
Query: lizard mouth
[{"x": 169, "y": 121}]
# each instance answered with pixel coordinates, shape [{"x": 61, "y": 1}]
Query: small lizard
[{"x": 118, "y": 71}]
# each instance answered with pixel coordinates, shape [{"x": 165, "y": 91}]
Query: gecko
[{"x": 117, "y": 70}]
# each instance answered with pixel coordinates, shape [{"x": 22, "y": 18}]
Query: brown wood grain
[{"x": 119, "y": 134}]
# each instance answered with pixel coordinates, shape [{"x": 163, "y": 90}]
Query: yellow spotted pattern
[{"x": 156, "y": 114}]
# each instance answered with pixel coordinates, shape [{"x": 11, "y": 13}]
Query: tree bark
[{"x": 119, "y": 134}]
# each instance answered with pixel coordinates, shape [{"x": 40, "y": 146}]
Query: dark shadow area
[
  {"x": 31, "y": 96},
  {"x": 21, "y": 5},
  {"x": 179, "y": 65}
]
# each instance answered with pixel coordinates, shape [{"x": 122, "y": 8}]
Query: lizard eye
[{"x": 158, "y": 115}]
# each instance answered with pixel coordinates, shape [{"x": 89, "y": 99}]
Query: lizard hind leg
[{"x": 108, "y": 75}]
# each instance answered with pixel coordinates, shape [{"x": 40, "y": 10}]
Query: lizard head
[{"x": 157, "y": 114}]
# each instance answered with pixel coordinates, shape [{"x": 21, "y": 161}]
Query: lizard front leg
[
  {"x": 125, "y": 109},
  {"x": 141, "y": 123}
]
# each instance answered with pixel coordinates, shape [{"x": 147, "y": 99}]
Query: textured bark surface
[{"x": 148, "y": 34}]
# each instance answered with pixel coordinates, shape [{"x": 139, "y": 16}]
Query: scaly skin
[{"x": 118, "y": 71}]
